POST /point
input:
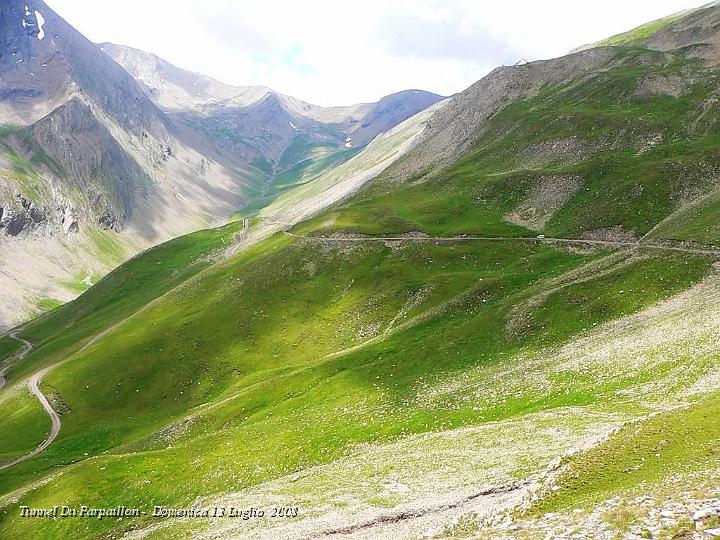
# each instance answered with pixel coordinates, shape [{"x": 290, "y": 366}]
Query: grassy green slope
[
  {"x": 8, "y": 347},
  {"x": 24, "y": 422},
  {"x": 120, "y": 294},
  {"x": 642, "y": 32},
  {"x": 257, "y": 331}
]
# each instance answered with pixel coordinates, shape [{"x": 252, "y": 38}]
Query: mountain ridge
[{"x": 92, "y": 165}]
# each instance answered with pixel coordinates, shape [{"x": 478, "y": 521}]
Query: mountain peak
[
  {"x": 22, "y": 26},
  {"x": 174, "y": 88}
]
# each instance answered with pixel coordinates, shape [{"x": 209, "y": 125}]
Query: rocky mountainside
[
  {"x": 172, "y": 88},
  {"x": 86, "y": 155},
  {"x": 272, "y": 130},
  {"x": 97, "y": 164}
]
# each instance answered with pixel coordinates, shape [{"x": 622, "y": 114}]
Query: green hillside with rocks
[{"x": 514, "y": 336}]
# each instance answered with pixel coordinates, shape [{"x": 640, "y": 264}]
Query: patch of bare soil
[
  {"x": 613, "y": 234},
  {"x": 669, "y": 85},
  {"x": 544, "y": 199},
  {"x": 568, "y": 150}
]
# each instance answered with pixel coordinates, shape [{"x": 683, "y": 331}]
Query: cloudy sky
[{"x": 332, "y": 52}]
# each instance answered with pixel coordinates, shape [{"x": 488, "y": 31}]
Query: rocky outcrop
[
  {"x": 20, "y": 215},
  {"x": 70, "y": 222},
  {"x": 95, "y": 163}
]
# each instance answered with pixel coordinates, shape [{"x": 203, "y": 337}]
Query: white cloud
[{"x": 331, "y": 53}]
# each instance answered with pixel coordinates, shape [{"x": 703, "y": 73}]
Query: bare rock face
[
  {"x": 20, "y": 25},
  {"x": 95, "y": 163},
  {"x": 70, "y": 222},
  {"x": 20, "y": 215}
]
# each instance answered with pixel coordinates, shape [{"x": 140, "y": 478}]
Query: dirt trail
[
  {"x": 33, "y": 383},
  {"x": 54, "y": 418},
  {"x": 17, "y": 356},
  {"x": 34, "y": 387},
  {"x": 545, "y": 240}
]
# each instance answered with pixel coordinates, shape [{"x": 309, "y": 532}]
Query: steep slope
[
  {"x": 93, "y": 171},
  {"x": 174, "y": 88},
  {"x": 257, "y": 123},
  {"x": 413, "y": 360},
  {"x": 87, "y": 155}
]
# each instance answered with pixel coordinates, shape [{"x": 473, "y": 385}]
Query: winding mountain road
[
  {"x": 548, "y": 240},
  {"x": 34, "y": 387},
  {"x": 18, "y": 356},
  {"x": 54, "y": 418},
  {"x": 34, "y": 382}
]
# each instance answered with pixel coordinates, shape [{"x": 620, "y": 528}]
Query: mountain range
[
  {"x": 108, "y": 150},
  {"x": 498, "y": 318}
]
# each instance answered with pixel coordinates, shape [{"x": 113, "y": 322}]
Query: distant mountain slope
[
  {"x": 174, "y": 88},
  {"x": 258, "y": 123},
  {"x": 96, "y": 165}
]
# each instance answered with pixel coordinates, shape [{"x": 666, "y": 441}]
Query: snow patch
[
  {"x": 27, "y": 11},
  {"x": 348, "y": 142},
  {"x": 293, "y": 126},
  {"x": 40, "y": 23}
]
